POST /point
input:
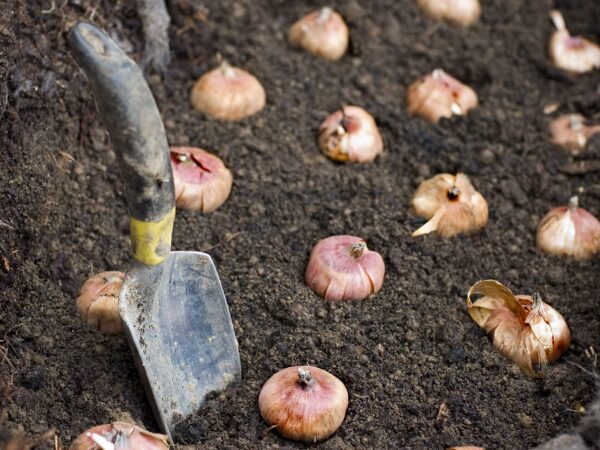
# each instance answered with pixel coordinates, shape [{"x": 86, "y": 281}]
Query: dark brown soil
[{"x": 402, "y": 354}]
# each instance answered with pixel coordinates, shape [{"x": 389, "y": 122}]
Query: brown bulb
[
  {"x": 98, "y": 302},
  {"x": 228, "y": 93},
  {"x": 322, "y": 33},
  {"x": 438, "y": 95},
  {"x": 451, "y": 204},
  {"x": 350, "y": 134},
  {"x": 523, "y": 328}
]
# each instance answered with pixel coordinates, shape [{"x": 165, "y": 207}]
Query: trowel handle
[{"x": 130, "y": 113}]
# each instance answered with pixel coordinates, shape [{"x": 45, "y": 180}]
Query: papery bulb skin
[
  {"x": 202, "y": 182},
  {"x": 573, "y": 54},
  {"x": 343, "y": 268},
  {"x": 458, "y": 12},
  {"x": 323, "y": 33},
  {"x": 451, "y": 204},
  {"x": 438, "y": 95},
  {"x": 303, "y": 403},
  {"x": 98, "y": 302},
  {"x": 571, "y": 132},
  {"x": 119, "y": 436},
  {"x": 522, "y": 328},
  {"x": 350, "y": 135},
  {"x": 228, "y": 93},
  {"x": 569, "y": 231}
]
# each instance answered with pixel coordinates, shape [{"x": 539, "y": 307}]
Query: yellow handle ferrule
[{"x": 151, "y": 241}]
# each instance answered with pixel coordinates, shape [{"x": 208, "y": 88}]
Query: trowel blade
[{"x": 179, "y": 329}]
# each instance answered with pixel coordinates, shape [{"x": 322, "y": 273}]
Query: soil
[{"x": 419, "y": 372}]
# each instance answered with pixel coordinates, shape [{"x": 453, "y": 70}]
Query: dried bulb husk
[
  {"x": 98, "y": 302},
  {"x": 451, "y": 204},
  {"x": 350, "y": 134},
  {"x": 571, "y": 132},
  {"x": 459, "y": 12},
  {"x": 569, "y": 231},
  {"x": 323, "y": 33},
  {"x": 228, "y": 93},
  {"x": 438, "y": 95},
  {"x": 343, "y": 268},
  {"x": 571, "y": 53},
  {"x": 303, "y": 403},
  {"x": 119, "y": 436},
  {"x": 202, "y": 182},
  {"x": 522, "y": 328}
]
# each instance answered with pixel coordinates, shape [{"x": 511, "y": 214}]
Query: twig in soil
[
  {"x": 225, "y": 241},
  {"x": 49, "y": 11},
  {"x": 442, "y": 412},
  {"x": 269, "y": 429},
  {"x": 6, "y": 225},
  {"x": 581, "y": 167}
]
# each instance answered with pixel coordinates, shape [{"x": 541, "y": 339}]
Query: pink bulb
[
  {"x": 305, "y": 403},
  {"x": 438, "y": 95},
  {"x": 202, "y": 182},
  {"x": 119, "y": 436},
  {"x": 571, "y": 132},
  {"x": 343, "y": 268},
  {"x": 98, "y": 300}
]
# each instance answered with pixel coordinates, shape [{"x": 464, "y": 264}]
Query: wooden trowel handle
[{"x": 130, "y": 113}]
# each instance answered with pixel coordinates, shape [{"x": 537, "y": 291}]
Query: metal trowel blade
[{"x": 179, "y": 329}]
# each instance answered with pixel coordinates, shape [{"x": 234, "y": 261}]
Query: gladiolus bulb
[
  {"x": 438, "y": 95},
  {"x": 98, "y": 302},
  {"x": 572, "y": 132},
  {"x": 458, "y": 12},
  {"x": 202, "y": 182},
  {"x": 523, "y": 328},
  {"x": 343, "y": 268},
  {"x": 451, "y": 204},
  {"x": 571, "y": 53},
  {"x": 569, "y": 230},
  {"x": 350, "y": 134},
  {"x": 323, "y": 33},
  {"x": 119, "y": 436},
  {"x": 228, "y": 93},
  {"x": 303, "y": 403}
]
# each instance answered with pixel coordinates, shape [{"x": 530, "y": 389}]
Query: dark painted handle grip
[{"x": 130, "y": 113}]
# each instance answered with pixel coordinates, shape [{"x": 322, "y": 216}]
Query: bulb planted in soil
[
  {"x": 303, "y": 403},
  {"x": 459, "y": 12},
  {"x": 569, "y": 231},
  {"x": 350, "y": 134},
  {"x": 523, "y": 328},
  {"x": 574, "y": 54},
  {"x": 451, "y": 204},
  {"x": 323, "y": 33},
  {"x": 98, "y": 302},
  {"x": 343, "y": 268},
  {"x": 202, "y": 182},
  {"x": 228, "y": 93},
  {"x": 571, "y": 132},
  {"x": 119, "y": 436},
  {"x": 438, "y": 95}
]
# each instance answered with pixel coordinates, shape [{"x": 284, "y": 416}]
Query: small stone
[
  {"x": 487, "y": 156},
  {"x": 525, "y": 420}
]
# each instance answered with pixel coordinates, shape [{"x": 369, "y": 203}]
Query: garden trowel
[{"x": 172, "y": 304}]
